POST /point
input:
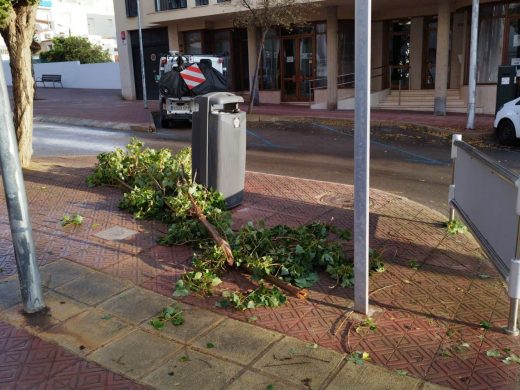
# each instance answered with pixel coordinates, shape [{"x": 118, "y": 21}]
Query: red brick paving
[
  {"x": 26, "y": 362},
  {"x": 107, "y": 105},
  {"x": 424, "y": 315}
]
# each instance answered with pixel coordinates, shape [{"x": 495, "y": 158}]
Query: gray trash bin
[{"x": 219, "y": 145}]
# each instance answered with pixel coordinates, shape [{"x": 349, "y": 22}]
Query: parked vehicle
[
  {"x": 507, "y": 122},
  {"x": 179, "y": 83}
]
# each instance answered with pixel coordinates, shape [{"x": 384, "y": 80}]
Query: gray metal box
[{"x": 219, "y": 145}]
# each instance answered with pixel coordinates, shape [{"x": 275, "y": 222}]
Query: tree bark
[
  {"x": 18, "y": 35},
  {"x": 254, "y": 87}
]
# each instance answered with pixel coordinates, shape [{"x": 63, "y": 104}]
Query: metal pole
[
  {"x": 451, "y": 194},
  {"x": 472, "y": 82},
  {"x": 512, "y": 327},
  {"x": 16, "y": 198},
  {"x": 362, "y": 154},
  {"x": 145, "y": 98}
]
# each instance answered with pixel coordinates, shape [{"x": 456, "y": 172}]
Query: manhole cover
[{"x": 339, "y": 201}]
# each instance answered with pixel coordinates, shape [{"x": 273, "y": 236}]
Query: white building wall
[{"x": 76, "y": 75}]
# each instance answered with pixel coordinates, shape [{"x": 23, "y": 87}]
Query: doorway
[
  {"x": 297, "y": 67},
  {"x": 399, "y": 53},
  {"x": 155, "y": 45},
  {"x": 430, "y": 53}
]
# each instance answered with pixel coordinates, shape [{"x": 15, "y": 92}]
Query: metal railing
[
  {"x": 341, "y": 81},
  {"x": 486, "y": 195}
]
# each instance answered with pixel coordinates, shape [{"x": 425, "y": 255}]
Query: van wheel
[
  {"x": 506, "y": 132},
  {"x": 165, "y": 123}
]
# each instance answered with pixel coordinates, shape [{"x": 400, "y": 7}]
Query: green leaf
[
  {"x": 312, "y": 346},
  {"x": 486, "y": 325},
  {"x": 184, "y": 358},
  {"x": 401, "y": 372},
  {"x": 106, "y": 317},
  {"x": 197, "y": 276},
  {"x": 493, "y": 353},
  {"x": 215, "y": 281},
  {"x": 252, "y": 319},
  {"x": 483, "y": 276},
  {"x": 269, "y": 387},
  {"x": 210, "y": 345},
  {"x": 157, "y": 323},
  {"x": 299, "y": 250}
]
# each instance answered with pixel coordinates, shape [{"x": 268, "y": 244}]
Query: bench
[{"x": 50, "y": 78}]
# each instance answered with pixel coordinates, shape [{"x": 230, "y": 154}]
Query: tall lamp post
[
  {"x": 472, "y": 82},
  {"x": 16, "y": 198},
  {"x": 362, "y": 153},
  {"x": 145, "y": 97}
]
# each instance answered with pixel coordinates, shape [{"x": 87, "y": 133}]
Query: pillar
[
  {"x": 416, "y": 52},
  {"x": 442, "y": 63},
  {"x": 332, "y": 58},
  {"x": 173, "y": 37}
]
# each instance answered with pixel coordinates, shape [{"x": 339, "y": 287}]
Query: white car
[{"x": 507, "y": 122}]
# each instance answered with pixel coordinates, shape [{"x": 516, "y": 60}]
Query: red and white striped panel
[{"x": 192, "y": 76}]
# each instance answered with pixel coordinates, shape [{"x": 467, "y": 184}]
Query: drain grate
[{"x": 339, "y": 201}]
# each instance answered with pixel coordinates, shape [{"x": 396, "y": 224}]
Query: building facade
[{"x": 420, "y": 50}]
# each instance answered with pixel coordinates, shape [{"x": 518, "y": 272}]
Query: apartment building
[{"x": 420, "y": 50}]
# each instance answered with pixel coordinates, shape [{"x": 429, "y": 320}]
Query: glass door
[
  {"x": 430, "y": 54},
  {"x": 289, "y": 74},
  {"x": 399, "y": 54},
  {"x": 297, "y": 68}
]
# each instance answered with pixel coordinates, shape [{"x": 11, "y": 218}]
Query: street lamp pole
[
  {"x": 145, "y": 98},
  {"x": 472, "y": 82},
  {"x": 16, "y": 199},
  {"x": 362, "y": 154}
]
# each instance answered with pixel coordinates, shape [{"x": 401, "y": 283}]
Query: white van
[{"x": 172, "y": 109}]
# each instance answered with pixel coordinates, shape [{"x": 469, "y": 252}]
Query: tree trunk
[
  {"x": 254, "y": 87},
  {"x": 18, "y": 35}
]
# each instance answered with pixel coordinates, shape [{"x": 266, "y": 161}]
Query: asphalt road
[{"x": 403, "y": 161}]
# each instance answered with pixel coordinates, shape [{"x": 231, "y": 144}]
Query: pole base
[{"x": 515, "y": 332}]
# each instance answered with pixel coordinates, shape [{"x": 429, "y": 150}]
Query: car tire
[
  {"x": 165, "y": 123},
  {"x": 506, "y": 132}
]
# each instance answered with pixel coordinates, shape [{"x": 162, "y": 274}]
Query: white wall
[{"x": 76, "y": 75}]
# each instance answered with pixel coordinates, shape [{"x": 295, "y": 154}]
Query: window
[
  {"x": 163, "y": 5},
  {"x": 269, "y": 75},
  {"x": 201, "y": 2},
  {"x": 346, "y": 52},
  {"x": 131, "y": 8},
  {"x": 193, "y": 42},
  {"x": 321, "y": 55},
  {"x": 490, "y": 42}
]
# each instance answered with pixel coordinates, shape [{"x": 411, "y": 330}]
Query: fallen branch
[
  {"x": 199, "y": 214},
  {"x": 300, "y": 293},
  {"x": 382, "y": 288},
  {"x": 296, "y": 292}
]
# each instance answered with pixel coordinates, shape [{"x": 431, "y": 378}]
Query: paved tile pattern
[
  {"x": 27, "y": 362},
  {"x": 428, "y": 322}
]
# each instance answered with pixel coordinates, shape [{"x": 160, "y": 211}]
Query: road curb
[
  {"x": 439, "y": 131},
  {"x": 144, "y": 127}
]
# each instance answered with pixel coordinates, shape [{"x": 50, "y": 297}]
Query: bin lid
[{"x": 221, "y": 98}]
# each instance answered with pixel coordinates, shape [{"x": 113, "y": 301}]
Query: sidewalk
[
  {"x": 427, "y": 315},
  {"x": 105, "y": 108}
]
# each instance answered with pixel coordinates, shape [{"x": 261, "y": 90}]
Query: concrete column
[
  {"x": 173, "y": 37},
  {"x": 443, "y": 49},
  {"x": 416, "y": 52},
  {"x": 332, "y": 58},
  {"x": 252, "y": 52}
]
